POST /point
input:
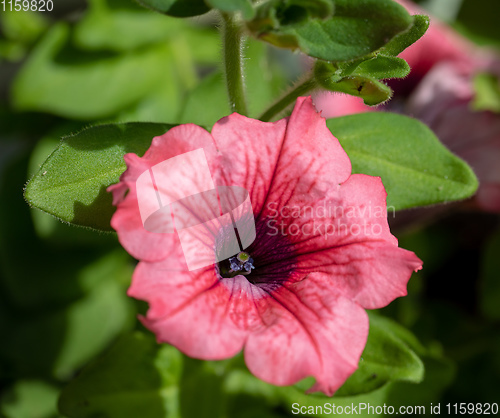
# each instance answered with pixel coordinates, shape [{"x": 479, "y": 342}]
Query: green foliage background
[{"x": 69, "y": 334}]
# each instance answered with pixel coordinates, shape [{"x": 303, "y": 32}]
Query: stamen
[{"x": 242, "y": 261}]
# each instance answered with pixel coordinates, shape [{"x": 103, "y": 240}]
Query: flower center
[
  {"x": 242, "y": 263},
  {"x": 268, "y": 262}
]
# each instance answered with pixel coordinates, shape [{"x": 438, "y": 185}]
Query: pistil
[{"x": 242, "y": 263}]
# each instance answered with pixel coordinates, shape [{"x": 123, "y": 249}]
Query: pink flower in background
[
  {"x": 439, "y": 92},
  {"x": 440, "y": 43},
  {"x": 443, "y": 102},
  {"x": 323, "y": 252}
]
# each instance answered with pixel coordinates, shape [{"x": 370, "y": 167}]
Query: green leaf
[
  {"x": 439, "y": 374},
  {"x": 161, "y": 106},
  {"x": 72, "y": 182},
  {"x": 59, "y": 79},
  {"x": 416, "y": 169},
  {"x": 314, "y": 8},
  {"x": 383, "y": 67},
  {"x": 371, "y": 90},
  {"x": 361, "y": 77},
  {"x": 58, "y": 340},
  {"x": 403, "y": 40},
  {"x": 49, "y": 287},
  {"x": 203, "y": 380},
  {"x": 386, "y": 358},
  {"x": 30, "y": 398},
  {"x": 19, "y": 31},
  {"x": 123, "y": 26},
  {"x": 177, "y": 8},
  {"x": 96, "y": 320},
  {"x": 316, "y": 405},
  {"x": 207, "y": 102},
  {"x": 276, "y": 13},
  {"x": 439, "y": 371},
  {"x": 487, "y": 89},
  {"x": 231, "y": 6},
  {"x": 398, "y": 331},
  {"x": 490, "y": 278},
  {"x": 243, "y": 390},
  {"x": 12, "y": 51},
  {"x": 357, "y": 28},
  {"x": 204, "y": 45},
  {"x": 47, "y": 227},
  {"x": 264, "y": 75},
  {"x": 24, "y": 27},
  {"x": 135, "y": 378}
]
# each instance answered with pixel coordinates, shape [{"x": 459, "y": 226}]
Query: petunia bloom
[
  {"x": 294, "y": 299},
  {"x": 439, "y": 91}
]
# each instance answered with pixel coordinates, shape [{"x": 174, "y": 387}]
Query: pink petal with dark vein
[
  {"x": 372, "y": 274},
  {"x": 280, "y": 162},
  {"x": 354, "y": 211},
  {"x": 311, "y": 160},
  {"x": 249, "y": 152},
  {"x": 316, "y": 332},
  {"x": 202, "y": 316},
  {"x": 140, "y": 243}
]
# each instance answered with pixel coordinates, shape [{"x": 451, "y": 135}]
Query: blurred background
[{"x": 63, "y": 298}]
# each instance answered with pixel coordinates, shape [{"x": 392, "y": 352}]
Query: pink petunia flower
[
  {"x": 294, "y": 299},
  {"x": 439, "y": 44},
  {"x": 439, "y": 92}
]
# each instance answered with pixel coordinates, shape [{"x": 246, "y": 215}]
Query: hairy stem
[
  {"x": 300, "y": 89},
  {"x": 233, "y": 40}
]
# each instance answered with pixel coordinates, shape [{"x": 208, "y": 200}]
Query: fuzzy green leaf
[
  {"x": 177, "y": 8},
  {"x": 71, "y": 184},
  {"x": 416, "y": 169},
  {"x": 383, "y": 67},
  {"x": 357, "y": 28},
  {"x": 370, "y": 89},
  {"x": 403, "y": 40}
]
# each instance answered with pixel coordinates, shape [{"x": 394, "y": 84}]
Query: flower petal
[
  {"x": 127, "y": 221},
  {"x": 347, "y": 236},
  {"x": 316, "y": 332},
  {"x": 295, "y": 164},
  {"x": 311, "y": 160},
  {"x": 249, "y": 151},
  {"x": 201, "y": 315},
  {"x": 333, "y": 105},
  {"x": 372, "y": 274},
  {"x": 354, "y": 211}
]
